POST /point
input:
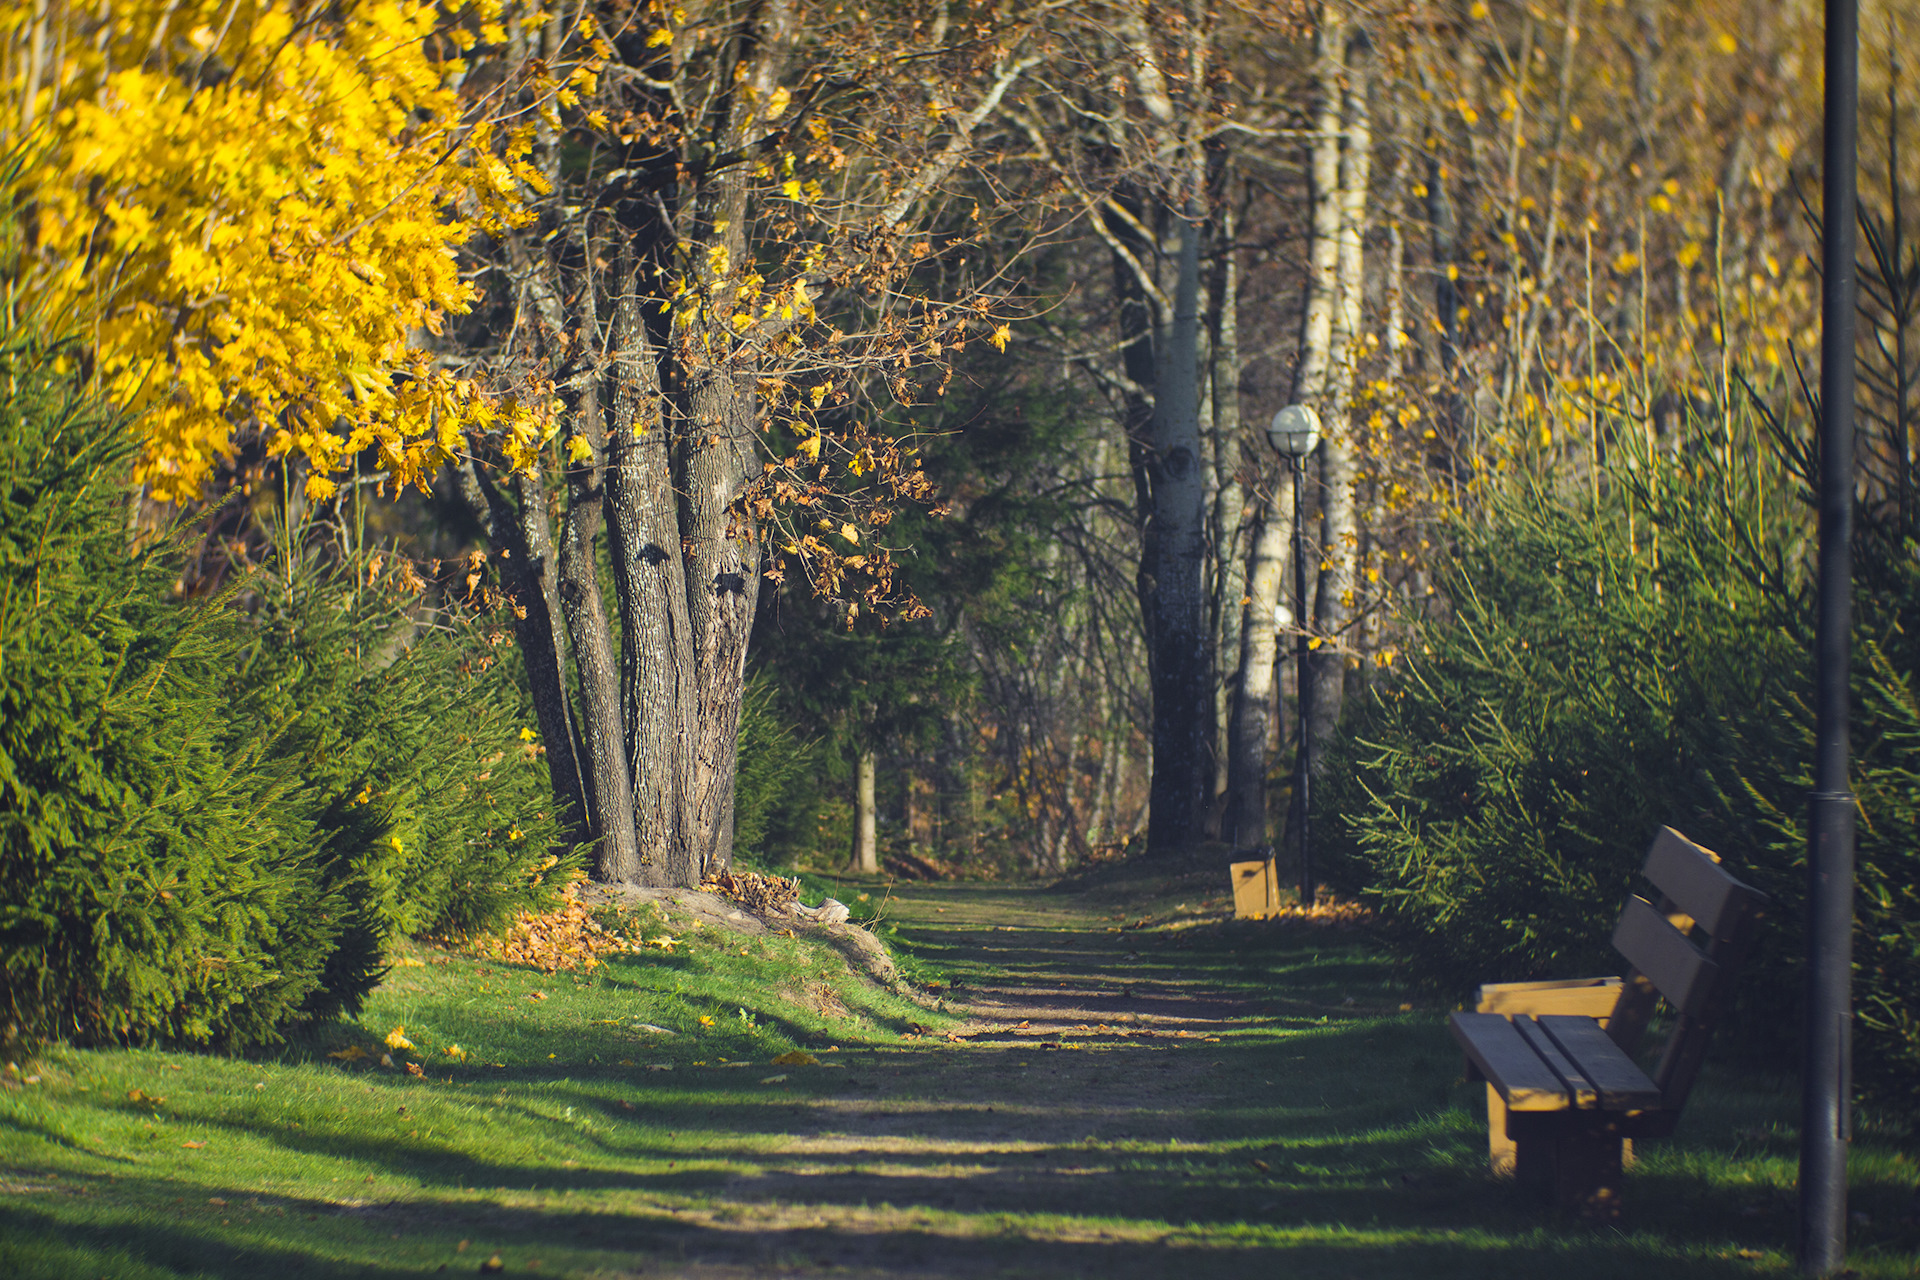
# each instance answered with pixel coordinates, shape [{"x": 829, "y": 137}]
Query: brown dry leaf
[
  {"x": 568, "y": 937},
  {"x": 216, "y": 1200},
  {"x": 193, "y": 1146},
  {"x": 796, "y": 1058},
  {"x": 537, "y": 995},
  {"x": 762, "y": 894},
  {"x": 413, "y": 1069}
]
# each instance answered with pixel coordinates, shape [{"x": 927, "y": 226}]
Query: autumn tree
[
  {"x": 732, "y": 205},
  {"x": 249, "y": 209}
]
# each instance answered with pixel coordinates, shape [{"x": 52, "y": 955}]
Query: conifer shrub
[
  {"x": 433, "y": 806},
  {"x": 1599, "y": 668},
  {"x": 156, "y": 865}
]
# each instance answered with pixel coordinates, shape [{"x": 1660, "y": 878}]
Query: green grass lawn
[{"x": 1297, "y": 1120}]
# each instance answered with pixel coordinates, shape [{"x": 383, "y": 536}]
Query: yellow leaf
[
  {"x": 779, "y": 1079},
  {"x": 659, "y": 38},
  {"x": 578, "y": 450},
  {"x": 528, "y": 735},
  {"x": 352, "y": 1053},
  {"x": 850, "y": 533},
  {"x": 397, "y": 1039},
  {"x": 796, "y": 1058},
  {"x": 706, "y": 1021},
  {"x": 455, "y": 1051},
  {"x": 999, "y": 337}
]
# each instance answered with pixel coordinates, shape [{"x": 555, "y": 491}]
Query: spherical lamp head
[{"x": 1295, "y": 430}]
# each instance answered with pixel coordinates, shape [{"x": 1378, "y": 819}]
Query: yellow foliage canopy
[{"x": 251, "y": 206}]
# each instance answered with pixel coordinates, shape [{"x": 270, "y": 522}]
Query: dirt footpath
[{"x": 1087, "y": 1118}]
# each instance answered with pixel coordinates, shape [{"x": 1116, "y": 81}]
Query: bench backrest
[{"x": 1686, "y": 947}]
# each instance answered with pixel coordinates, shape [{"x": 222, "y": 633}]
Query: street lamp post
[
  {"x": 1295, "y": 433},
  {"x": 1826, "y": 1085}
]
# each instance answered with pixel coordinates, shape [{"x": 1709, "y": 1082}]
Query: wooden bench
[{"x": 1565, "y": 1095}]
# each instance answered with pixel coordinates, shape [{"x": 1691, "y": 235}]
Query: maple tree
[{"x": 250, "y": 208}]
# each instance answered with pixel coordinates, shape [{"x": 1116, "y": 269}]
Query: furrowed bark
[
  {"x": 649, "y": 573},
  {"x": 618, "y": 857},
  {"x": 723, "y": 581}
]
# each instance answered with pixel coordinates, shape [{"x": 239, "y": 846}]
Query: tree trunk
[
  {"x": 1339, "y": 524},
  {"x": 649, "y": 574},
  {"x": 1227, "y": 569},
  {"x": 866, "y": 838},
  {"x": 617, "y": 858},
  {"x": 1182, "y": 696},
  {"x": 1250, "y": 725},
  {"x": 541, "y": 646}
]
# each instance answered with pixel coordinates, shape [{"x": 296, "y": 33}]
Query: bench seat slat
[
  {"x": 1580, "y": 1089},
  {"x": 1620, "y": 1082},
  {"x": 1524, "y": 1081}
]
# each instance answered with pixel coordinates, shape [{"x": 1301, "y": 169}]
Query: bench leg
[
  {"x": 1500, "y": 1148},
  {"x": 1586, "y": 1175}
]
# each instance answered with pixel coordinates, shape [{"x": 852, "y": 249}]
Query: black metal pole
[
  {"x": 1825, "y": 1124},
  {"x": 1302, "y": 764}
]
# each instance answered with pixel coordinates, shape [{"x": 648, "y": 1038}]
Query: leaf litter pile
[
  {"x": 573, "y": 936},
  {"x": 764, "y": 895}
]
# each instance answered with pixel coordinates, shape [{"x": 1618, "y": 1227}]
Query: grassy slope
[
  {"x": 1325, "y": 1132},
  {"x": 155, "y": 1163}
]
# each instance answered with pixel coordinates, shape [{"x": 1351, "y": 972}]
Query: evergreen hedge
[
  {"x": 156, "y": 867},
  {"x": 213, "y": 820},
  {"x": 1604, "y": 664}
]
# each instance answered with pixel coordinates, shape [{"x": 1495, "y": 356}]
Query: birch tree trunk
[
  {"x": 866, "y": 837},
  {"x": 1227, "y": 568},
  {"x": 1339, "y": 525},
  {"x": 1252, "y": 719}
]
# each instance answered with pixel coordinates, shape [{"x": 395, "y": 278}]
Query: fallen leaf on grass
[
  {"x": 455, "y": 1051},
  {"x": 796, "y": 1058},
  {"x": 659, "y": 1066},
  {"x": 409, "y": 962},
  {"x": 217, "y": 1200},
  {"x": 193, "y": 1146},
  {"x": 706, "y": 1021},
  {"x": 141, "y": 1095},
  {"x": 413, "y": 1069},
  {"x": 492, "y": 1264},
  {"x": 352, "y": 1053},
  {"x": 1261, "y": 1165},
  {"x": 780, "y": 1079},
  {"x": 536, "y": 995},
  {"x": 397, "y": 1039}
]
